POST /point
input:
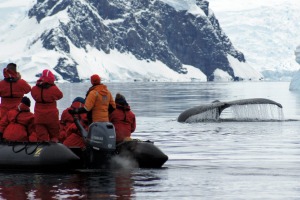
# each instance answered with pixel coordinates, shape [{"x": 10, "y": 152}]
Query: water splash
[
  {"x": 122, "y": 162},
  {"x": 259, "y": 112},
  {"x": 210, "y": 115}
]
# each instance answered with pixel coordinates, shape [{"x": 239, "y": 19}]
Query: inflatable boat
[
  {"x": 36, "y": 156},
  {"x": 101, "y": 150}
]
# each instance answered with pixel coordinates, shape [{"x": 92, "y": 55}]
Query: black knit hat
[
  {"x": 120, "y": 99},
  {"x": 12, "y": 66},
  {"x": 26, "y": 101}
]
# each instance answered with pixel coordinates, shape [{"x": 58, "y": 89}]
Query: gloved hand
[
  {"x": 77, "y": 111},
  {"x": 74, "y": 111}
]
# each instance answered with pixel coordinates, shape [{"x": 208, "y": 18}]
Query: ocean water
[{"x": 226, "y": 159}]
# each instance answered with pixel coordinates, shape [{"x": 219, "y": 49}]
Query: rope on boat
[
  {"x": 26, "y": 147},
  {"x": 13, "y": 148}
]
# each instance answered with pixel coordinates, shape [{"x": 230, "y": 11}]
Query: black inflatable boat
[
  {"x": 36, "y": 156},
  {"x": 100, "y": 150}
]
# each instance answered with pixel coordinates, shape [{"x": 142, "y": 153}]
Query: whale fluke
[{"x": 219, "y": 106}]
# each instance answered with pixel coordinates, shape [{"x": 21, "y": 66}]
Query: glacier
[{"x": 267, "y": 32}]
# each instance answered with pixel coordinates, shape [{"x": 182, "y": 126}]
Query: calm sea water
[{"x": 208, "y": 160}]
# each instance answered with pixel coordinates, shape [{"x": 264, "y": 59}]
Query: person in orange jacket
[
  {"x": 18, "y": 124},
  {"x": 98, "y": 103},
  {"x": 69, "y": 134},
  {"x": 123, "y": 119},
  {"x": 12, "y": 89},
  {"x": 46, "y": 93}
]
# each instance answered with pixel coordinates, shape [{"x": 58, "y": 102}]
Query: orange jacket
[
  {"x": 12, "y": 89},
  {"x": 97, "y": 101}
]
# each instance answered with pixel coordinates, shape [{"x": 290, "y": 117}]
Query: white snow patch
[
  {"x": 244, "y": 70},
  {"x": 188, "y": 5},
  {"x": 221, "y": 75},
  {"x": 115, "y": 21},
  {"x": 117, "y": 66}
]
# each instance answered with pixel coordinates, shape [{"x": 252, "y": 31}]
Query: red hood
[
  {"x": 10, "y": 74},
  {"x": 77, "y": 104},
  {"x": 101, "y": 88},
  {"x": 123, "y": 107},
  {"x": 47, "y": 77}
]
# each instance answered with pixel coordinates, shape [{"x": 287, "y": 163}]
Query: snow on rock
[
  {"x": 243, "y": 71},
  {"x": 188, "y": 5},
  {"x": 221, "y": 75}
]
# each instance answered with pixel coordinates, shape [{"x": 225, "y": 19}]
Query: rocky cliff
[{"x": 151, "y": 30}]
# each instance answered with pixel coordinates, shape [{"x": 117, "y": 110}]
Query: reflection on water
[{"x": 84, "y": 185}]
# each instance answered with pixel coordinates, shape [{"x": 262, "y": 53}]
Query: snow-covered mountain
[
  {"x": 267, "y": 32},
  {"x": 164, "y": 40}
]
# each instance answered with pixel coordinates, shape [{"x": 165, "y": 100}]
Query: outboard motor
[
  {"x": 102, "y": 136},
  {"x": 100, "y": 142}
]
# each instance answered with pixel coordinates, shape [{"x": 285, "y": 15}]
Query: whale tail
[{"x": 213, "y": 110}]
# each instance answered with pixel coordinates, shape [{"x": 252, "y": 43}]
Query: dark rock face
[
  {"x": 149, "y": 29},
  {"x": 67, "y": 69}
]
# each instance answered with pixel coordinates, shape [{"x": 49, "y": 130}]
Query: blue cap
[{"x": 79, "y": 99}]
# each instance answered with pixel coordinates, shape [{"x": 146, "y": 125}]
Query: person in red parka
[
  {"x": 123, "y": 119},
  {"x": 74, "y": 137},
  {"x": 46, "y": 93},
  {"x": 18, "y": 124},
  {"x": 69, "y": 134},
  {"x": 12, "y": 89},
  {"x": 66, "y": 119}
]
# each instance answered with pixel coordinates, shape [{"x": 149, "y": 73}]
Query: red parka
[
  {"x": 124, "y": 122},
  {"x": 74, "y": 137},
  {"x": 66, "y": 120},
  {"x": 18, "y": 124},
  {"x": 12, "y": 89},
  {"x": 46, "y": 93}
]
